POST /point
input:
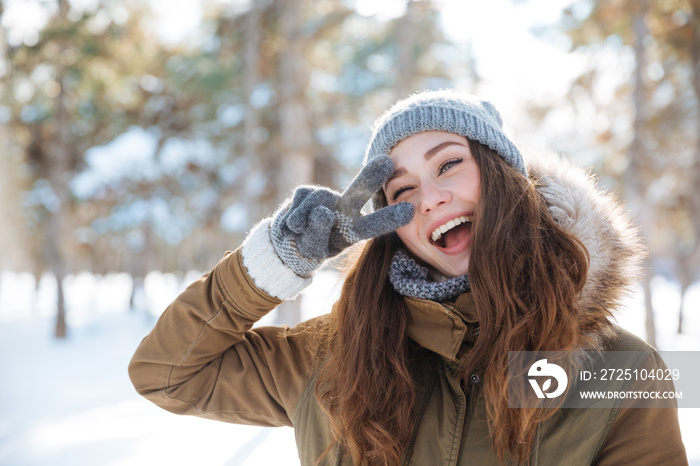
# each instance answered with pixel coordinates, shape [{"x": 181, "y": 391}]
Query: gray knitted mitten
[{"x": 319, "y": 223}]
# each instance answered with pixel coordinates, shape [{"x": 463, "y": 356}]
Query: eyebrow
[
  {"x": 431, "y": 153},
  {"x": 428, "y": 155}
]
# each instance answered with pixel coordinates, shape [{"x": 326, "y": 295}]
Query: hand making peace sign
[{"x": 319, "y": 223}]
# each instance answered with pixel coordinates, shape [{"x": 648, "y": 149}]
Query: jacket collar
[{"x": 442, "y": 327}]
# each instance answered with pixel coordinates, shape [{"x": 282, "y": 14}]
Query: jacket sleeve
[
  {"x": 203, "y": 358},
  {"x": 645, "y": 435}
]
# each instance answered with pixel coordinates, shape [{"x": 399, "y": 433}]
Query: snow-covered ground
[{"x": 71, "y": 403}]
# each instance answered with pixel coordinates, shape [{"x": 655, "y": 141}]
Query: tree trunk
[
  {"x": 635, "y": 188},
  {"x": 137, "y": 292},
  {"x": 297, "y": 161},
  {"x": 14, "y": 237},
  {"x": 251, "y": 79},
  {"x": 13, "y": 234},
  {"x": 251, "y": 76},
  {"x": 296, "y": 151},
  {"x": 694, "y": 253},
  {"x": 61, "y": 327},
  {"x": 58, "y": 172},
  {"x": 685, "y": 279},
  {"x": 141, "y": 264},
  {"x": 650, "y": 325},
  {"x": 406, "y": 42},
  {"x": 56, "y": 263}
]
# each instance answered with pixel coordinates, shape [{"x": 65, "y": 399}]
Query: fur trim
[{"x": 598, "y": 220}]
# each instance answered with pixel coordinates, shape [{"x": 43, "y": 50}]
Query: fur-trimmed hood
[{"x": 598, "y": 220}]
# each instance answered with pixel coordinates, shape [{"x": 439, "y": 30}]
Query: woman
[{"x": 471, "y": 254}]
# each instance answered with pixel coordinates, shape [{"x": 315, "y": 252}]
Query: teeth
[{"x": 438, "y": 232}]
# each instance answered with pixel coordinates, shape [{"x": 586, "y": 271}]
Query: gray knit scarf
[{"x": 411, "y": 279}]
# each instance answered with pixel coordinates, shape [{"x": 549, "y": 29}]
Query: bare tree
[
  {"x": 251, "y": 79},
  {"x": 59, "y": 171},
  {"x": 296, "y": 149},
  {"x": 691, "y": 257},
  {"x": 406, "y": 42},
  {"x": 635, "y": 187}
]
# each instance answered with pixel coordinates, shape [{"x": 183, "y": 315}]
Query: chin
[
  {"x": 456, "y": 273},
  {"x": 453, "y": 270}
]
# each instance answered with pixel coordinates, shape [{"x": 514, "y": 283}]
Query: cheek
[
  {"x": 408, "y": 234},
  {"x": 475, "y": 185},
  {"x": 475, "y": 193},
  {"x": 467, "y": 188},
  {"x": 404, "y": 232}
]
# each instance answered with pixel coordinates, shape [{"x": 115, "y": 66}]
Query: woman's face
[{"x": 436, "y": 172}]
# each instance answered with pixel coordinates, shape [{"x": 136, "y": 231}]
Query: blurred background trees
[
  {"x": 644, "y": 106},
  {"x": 125, "y": 152}
]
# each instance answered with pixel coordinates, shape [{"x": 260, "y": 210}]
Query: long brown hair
[
  {"x": 526, "y": 274},
  {"x": 365, "y": 385}
]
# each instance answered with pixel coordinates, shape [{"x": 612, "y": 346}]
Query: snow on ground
[{"x": 71, "y": 402}]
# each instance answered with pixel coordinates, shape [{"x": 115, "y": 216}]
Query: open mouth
[{"x": 452, "y": 232}]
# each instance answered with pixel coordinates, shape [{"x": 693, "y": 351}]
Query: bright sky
[{"x": 507, "y": 51}]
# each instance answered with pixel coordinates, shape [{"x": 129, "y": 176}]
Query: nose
[{"x": 432, "y": 196}]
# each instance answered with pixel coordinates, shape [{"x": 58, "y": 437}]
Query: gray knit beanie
[{"x": 443, "y": 110}]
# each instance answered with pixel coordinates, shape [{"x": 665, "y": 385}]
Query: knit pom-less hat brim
[{"x": 444, "y": 110}]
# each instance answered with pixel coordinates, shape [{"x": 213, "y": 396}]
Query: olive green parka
[{"x": 204, "y": 357}]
